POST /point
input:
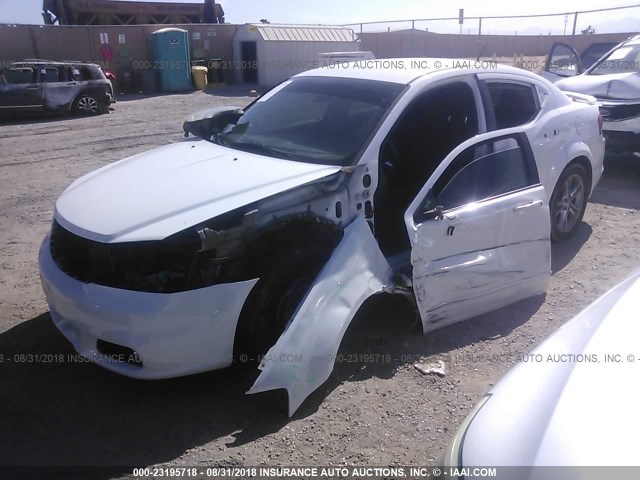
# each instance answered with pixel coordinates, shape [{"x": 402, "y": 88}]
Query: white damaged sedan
[{"x": 261, "y": 234}]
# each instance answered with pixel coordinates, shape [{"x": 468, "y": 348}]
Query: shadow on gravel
[
  {"x": 387, "y": 335},
  {"x": 228, "y": 91},
  {"x": 59, "y": 410},
  {"x": 620, "y": 183},
  {"x": 34, "y": 118},
  {"x": 562, "y": 253},
  {"x": 241, "y": 90}
]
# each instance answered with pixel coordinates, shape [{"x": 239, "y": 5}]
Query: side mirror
[
  {"x": 206, "y": 123},
  {"x": 563, "y": 61},
  {"x": 434, "y": 213}
]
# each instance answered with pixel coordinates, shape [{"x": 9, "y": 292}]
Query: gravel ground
[{"x": 384, "y": 412}]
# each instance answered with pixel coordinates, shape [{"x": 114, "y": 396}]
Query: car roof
[
  {"x": 53, "y": 63},
  {"x": 406, "y": 70}
]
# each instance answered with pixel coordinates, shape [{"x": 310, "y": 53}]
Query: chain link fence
[{"x": 604, "y": 20}]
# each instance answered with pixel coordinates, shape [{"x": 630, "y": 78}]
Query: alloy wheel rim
[
  {"x": 569, "y": 203},
  {"x": 88, "y": 104}
]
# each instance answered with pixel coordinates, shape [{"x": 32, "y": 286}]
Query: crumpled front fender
[{"x": 303, "y": 357}]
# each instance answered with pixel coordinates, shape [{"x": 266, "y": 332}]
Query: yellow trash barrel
[{"x": 199, "y": 77}]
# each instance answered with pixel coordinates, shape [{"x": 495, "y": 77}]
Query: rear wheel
[
  {"x": 274, "y": 299},
  {"x": 87, "y": 105},
  {"x": 568, "y": 202}
]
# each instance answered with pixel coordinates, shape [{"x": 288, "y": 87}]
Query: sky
[{"x": 344, "y": 12}]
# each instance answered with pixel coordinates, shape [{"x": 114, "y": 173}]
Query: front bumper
[
  {"x": 171, "y": 334},
  {"x": 622, "y": 132},
  {"x": 621, "y": 141}
]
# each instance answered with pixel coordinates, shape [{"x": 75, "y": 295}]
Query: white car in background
[
  {"x": 615, "y": 82},
  {"x": 573, "y": 403},
  {"x": 564, "y": 61},
  {"x": 267, "y": 231}
]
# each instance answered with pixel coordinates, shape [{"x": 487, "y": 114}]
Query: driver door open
[{"x": 479, "y": 231}]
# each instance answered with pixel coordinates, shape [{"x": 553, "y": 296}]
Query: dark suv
[{"x": 41, "y": 85}]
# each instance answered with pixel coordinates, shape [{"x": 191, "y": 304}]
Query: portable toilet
[{"x": 172, "y": 59}]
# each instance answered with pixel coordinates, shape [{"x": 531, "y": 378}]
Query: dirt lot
[{"x": 368, "y": 413}]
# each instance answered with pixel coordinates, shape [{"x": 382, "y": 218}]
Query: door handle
[
  {"x": 537, "y": 203},
  {"x": 33, "y": 88},
  {"x": 71, "y": 84}
]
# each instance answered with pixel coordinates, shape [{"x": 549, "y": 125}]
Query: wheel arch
[
  {"x": 579, "y": 153},
  {"x": 283, "y": 234},
  {"x": 264, "y": 253},
  {"x": 585, "y": 163}
]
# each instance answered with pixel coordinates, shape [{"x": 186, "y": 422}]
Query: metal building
[
  {"x": 267, "y": 54},
  {"x": 108, "y": 12}
]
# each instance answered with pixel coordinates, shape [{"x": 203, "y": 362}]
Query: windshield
[
  {"x": 625, "y": 59},
  {"x": 313, "y": 119}
]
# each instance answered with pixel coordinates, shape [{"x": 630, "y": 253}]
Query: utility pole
[{"x": 566, "y": 20}]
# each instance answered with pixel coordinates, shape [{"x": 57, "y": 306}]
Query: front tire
[
  {"x": 568, "y": 202},
  {"x": 274, "y": 299}
]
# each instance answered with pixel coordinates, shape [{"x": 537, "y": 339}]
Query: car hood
[
  {"x": 160, "y": 192},
  {"x": 558, "y": 411},
  {"x": 618, "y": 86}
]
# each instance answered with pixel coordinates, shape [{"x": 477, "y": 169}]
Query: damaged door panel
[
  {"x": 479, "y": 232},
  {"x": 303, "y": 357},
  {"x": 57, "y": 90}
]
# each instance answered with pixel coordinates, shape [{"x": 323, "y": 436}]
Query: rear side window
[
  {"x": 18, "y": 76},
  {"x": 50, "y": 75},
  {"x": 85, "y": 74},
  {"x": 513, "y": 103},
  {"x": 95, "y": 73}
]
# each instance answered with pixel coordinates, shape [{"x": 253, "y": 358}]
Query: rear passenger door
[
  {"x": 58, "y": 87},
  {"x": 479, "y": 230}
]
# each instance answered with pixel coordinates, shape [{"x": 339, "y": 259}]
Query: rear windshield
[{"x": 313, "y": 119}]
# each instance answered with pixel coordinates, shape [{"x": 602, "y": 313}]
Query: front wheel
[
  {"x": 568, "y": 202},
  {"x": 275, "y": 298},
  {"x": 87, "y": 105}
]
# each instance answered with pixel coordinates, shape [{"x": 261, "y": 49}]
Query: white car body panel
[
  {"x": 173, "y": 188},
  {"x": 201, "y": 340},
  {"x": 303, "y": 357},
  {"x": 556, "y": 140},
  {"x": 621, "y": 86},
  {"x": 549, "y": 413}
]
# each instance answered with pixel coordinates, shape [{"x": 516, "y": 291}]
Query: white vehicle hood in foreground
[
  {"x": 163, "y": 191},
  {"x": 559, "y": 411},
  {"x": 619, "y": 86}
]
